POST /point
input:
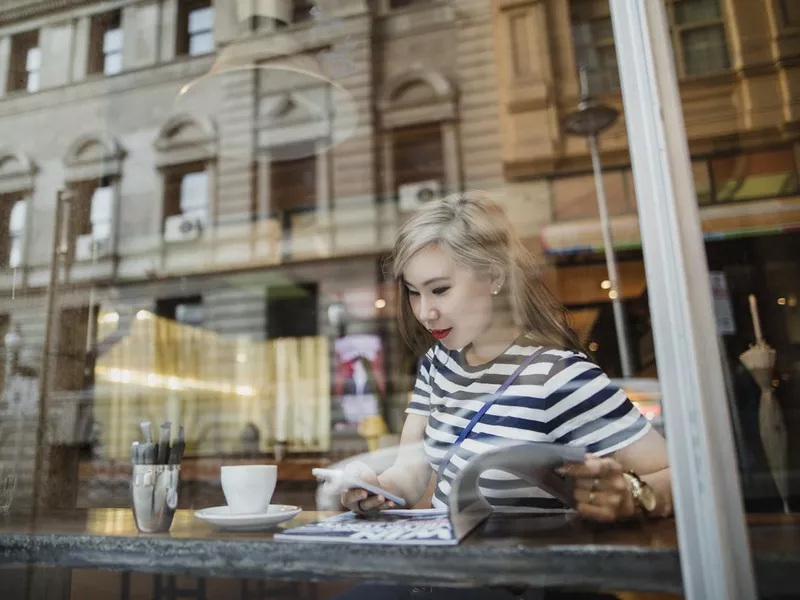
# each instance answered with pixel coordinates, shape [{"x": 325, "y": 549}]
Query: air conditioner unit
[
  {"x": 414, "y": 195},
  {"x": 183, "y": 228},
  {"x": 88, "y": 247},
  {"x": 15, "y": 254}
]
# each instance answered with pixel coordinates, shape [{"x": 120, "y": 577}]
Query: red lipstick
[{"x": 440, "y": 334}]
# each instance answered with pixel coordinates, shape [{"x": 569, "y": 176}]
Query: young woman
[{"x": 473, "y": 303}]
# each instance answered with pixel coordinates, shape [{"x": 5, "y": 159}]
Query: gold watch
[{"x": 643, "y": 495}]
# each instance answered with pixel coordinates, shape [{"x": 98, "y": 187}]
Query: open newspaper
[{"x": 534, "y": 463}]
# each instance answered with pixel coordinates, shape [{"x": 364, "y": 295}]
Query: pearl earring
[{"x": 495, "y": 292}]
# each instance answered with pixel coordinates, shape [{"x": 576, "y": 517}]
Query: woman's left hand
[{"x": 602, "y": 492}]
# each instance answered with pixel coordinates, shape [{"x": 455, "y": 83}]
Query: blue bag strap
[{"x": 478, "y": 415}]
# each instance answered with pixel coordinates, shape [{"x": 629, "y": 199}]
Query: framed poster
[{"x": 359, "y": 380}]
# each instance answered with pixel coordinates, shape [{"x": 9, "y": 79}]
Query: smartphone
[{"x": 337, "y": 476}]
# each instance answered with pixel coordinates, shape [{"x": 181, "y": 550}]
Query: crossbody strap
[{"x": 478, "y": 415}]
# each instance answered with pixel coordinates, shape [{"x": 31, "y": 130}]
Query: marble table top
[{"x": 502, "y": 551}]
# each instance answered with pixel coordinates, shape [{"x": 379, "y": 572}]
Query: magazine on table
[{"x": 533, "y": 462}]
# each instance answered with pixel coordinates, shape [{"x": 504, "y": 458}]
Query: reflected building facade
[
  {"x": 234, "y": 169},
  {"x": 237, "y": 174},
  {"x": 738, "y": 78}
]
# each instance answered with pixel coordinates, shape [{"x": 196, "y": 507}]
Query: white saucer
[{"x": 222, "y": 517}]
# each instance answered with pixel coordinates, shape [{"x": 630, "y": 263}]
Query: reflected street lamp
[{"x": 588, "y": 121}]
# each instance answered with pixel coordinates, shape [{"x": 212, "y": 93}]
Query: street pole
[
  {"x": 620, "y": 322},
  {"x": 588, "y": 121},
  {"x": 62, "y": 198}
]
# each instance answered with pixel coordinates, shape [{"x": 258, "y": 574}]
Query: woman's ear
[{"x": 497, "y": 279}]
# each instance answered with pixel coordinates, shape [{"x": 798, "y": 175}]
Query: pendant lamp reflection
[{"x": 296, "y": 90}]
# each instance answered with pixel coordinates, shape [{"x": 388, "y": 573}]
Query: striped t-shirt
[{"x": 561, "y": 397}]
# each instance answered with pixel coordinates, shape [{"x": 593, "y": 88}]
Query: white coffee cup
[{"x": 248, "y": 489}]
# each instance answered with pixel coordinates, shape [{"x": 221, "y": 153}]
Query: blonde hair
[{"x": 479, "y": 235}]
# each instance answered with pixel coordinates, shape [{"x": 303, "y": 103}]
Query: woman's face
[{"x": 453, "y": 302}]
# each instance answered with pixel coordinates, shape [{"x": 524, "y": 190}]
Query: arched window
[
  {"x": 294, "y": 135},
  {"x": 16, "y": 188},
  {"x": 186, "y": 149},
  {"x": 94, "y": 170},
  {"x": 420, "y": 141}
]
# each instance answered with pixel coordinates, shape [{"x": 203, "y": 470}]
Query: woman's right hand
[{"x": 360, "y": 501}]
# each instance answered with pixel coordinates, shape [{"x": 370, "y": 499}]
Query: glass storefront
[{"x": 199, "y": 200}]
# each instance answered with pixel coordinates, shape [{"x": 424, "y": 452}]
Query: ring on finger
[{"x": 595, "y": 484}]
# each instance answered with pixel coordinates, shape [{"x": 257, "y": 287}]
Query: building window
[
  {"x": 187, "y": 191},
  {"x": 92, "y": 225},
  {"x": 73, "y": 329},
  {"x": 754, "y": 176},
  {"x": 292, "y": 310},
  {"x": 302, "y": 11},
  {"x": 698, "y": 39},
  {"x": 91, "y": 219},
  {"x": 105, "y": 44},
  {"x": 187, "y": 310},
  {"x": 594, "y": 44},
  {"x": 196, "y": 28},
  {"x": 790, "y": 13},
  {"x": 13, "y": 215},
  {"x": 293, "y": 193},
  {"x": 25, "y": 63},
  {"x": 698, "y": 35},
  {"x": 575, "y": 197},
  {"x": 186, "y": 201},
  {"x": 394, "y": 4},
  {"x": 740, "y": 177},
  {"x": 419, "y": 170}
]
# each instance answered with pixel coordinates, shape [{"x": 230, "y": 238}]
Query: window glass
[
  {"x": 755, "y": 175},
  {"x": 201, "y": 43},
  {"x": 704, "y": 50},
  {"x": 211, "y": 217},
  {"x": 576, "y": 197},
  {"x": 694, "y": 11}
]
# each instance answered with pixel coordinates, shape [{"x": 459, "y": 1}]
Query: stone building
[
  {"x": 242, "y": 166},
  {"x": 736, "y": 64},
  {"x": 237, "y": 166}
]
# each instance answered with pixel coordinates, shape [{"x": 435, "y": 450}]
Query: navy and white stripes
[{"x": 560, "y": 397}]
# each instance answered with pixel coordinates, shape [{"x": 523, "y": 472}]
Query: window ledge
[
  {"x": 727, "y": 76},
  {"x": 416, "y": 18},
  {"x": 92, "y": 86}
]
